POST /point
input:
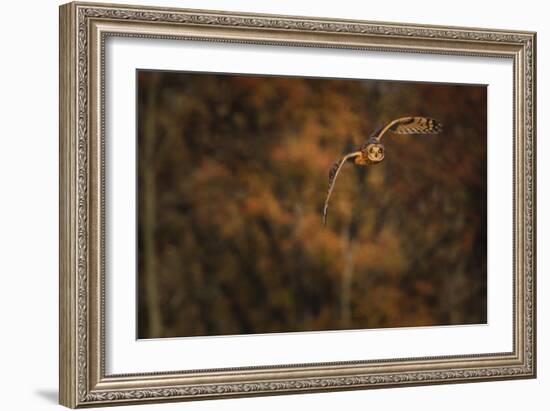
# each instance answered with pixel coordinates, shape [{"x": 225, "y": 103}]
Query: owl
[{"x": 372, "y": 152}]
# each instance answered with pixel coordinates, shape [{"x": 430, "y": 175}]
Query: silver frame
[{"x": 84, "y": 27}]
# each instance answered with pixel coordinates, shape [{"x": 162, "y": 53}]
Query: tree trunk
[
  {"x": 347, "y": 278},
  {"x": 149, "y": 213}
]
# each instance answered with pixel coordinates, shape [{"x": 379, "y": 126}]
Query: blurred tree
[{"x": 232, "y": 177}]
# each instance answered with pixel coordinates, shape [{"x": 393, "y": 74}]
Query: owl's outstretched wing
[
  {"x": 411, "y": 125},
  {"x": 334, "y": 171}
]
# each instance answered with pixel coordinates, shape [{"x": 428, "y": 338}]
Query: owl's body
[{"x": 373, "y": 152}]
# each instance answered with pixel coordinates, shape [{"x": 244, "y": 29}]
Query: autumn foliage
[{"x": 232, "y": 178}]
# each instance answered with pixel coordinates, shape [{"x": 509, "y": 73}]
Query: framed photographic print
[{"x": 260, "y": 204}]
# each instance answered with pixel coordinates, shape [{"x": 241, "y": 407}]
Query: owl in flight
[{"x": 372, "y": 151}]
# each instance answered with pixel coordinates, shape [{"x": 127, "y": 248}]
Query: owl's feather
[
  {"x": 333, "y": 173},
  {"x": 411, "y": 125}
]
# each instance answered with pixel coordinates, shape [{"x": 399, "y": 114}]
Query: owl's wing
[
  {"x": 334, "y": 171},
  {"x": 411, "y": 125}
]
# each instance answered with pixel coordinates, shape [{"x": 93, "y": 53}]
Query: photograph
[{"x": 284, "y": 204}]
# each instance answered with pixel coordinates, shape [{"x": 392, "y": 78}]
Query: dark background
[{"x": 232, "y": 178}]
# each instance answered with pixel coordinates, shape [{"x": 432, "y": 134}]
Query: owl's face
[{"x": 375, "y": 152}]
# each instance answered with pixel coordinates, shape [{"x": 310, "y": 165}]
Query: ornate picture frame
[{"x": 84, "y": 29}]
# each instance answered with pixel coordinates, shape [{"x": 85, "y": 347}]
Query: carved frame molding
[{"x": 84, "y": 27}]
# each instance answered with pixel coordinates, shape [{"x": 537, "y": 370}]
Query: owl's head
[{"x": 375, "y": 152}]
